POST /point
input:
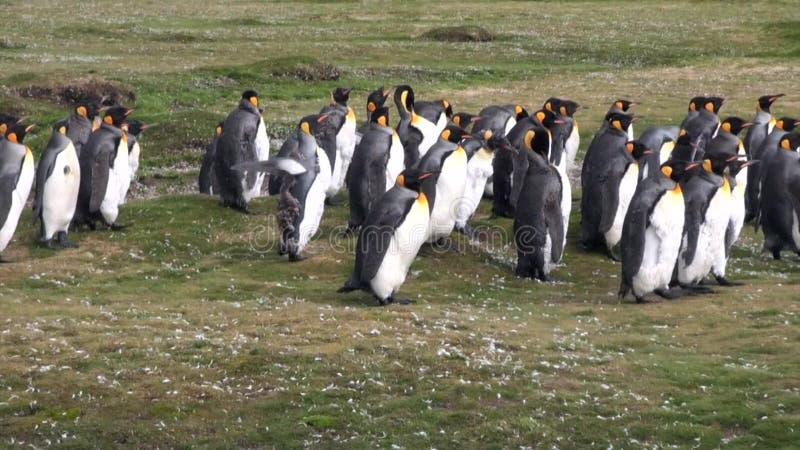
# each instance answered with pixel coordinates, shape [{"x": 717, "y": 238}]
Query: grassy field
[{"x": 187, "y": 330}]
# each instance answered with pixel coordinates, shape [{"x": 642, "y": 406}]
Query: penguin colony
[{"x": 669, "y": 206}]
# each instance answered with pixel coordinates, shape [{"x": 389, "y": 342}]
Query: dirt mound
[
  {"x": 88, "y": 89},
  {"x": 459, "y": 34},
  {"x": 305, "y": 69}
]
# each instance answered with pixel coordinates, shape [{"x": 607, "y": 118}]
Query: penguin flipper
[
  {"x": 520, "y": 166},
  {"x": 555, "y": 221},
  {"x": 45, "y": 169},
  {"x": 100, "y": 166},
  {"x": 634, "y": 227},
  {"x": 272, "y": 166},
  {"x": 7, "y": 184},
  {"x": 377, "y": 231},
  {"x": 609, "y": 196}
]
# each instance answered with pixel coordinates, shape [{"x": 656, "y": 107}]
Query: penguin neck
[{"x": 249, "y": 107}]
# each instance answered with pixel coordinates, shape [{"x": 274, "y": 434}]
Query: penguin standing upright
[
  {"x": 608, "y": 180},
  {"x": 120, "y": 165},
  {"x": 500, "y": 119},
  {"x": 763, "y": 153},
  {"x": 567, "y": 109},
  {"x": 375, "y": 101},
  {"x": 410, "y": 137},
  {"x": 695, "y": 104},
  {"x": 391, "y": 237},
  {"x": 99, "y": 193},
  {"x": 134, "y": 129},
  {"x": 79, "y": 124},
  {"x": 377, "y": 161},
  {"x": 207, "y": 180},
  {"x": 651, "y": 233},
  {"x": 480, "y": 152},
  {"x": 58, "y": 180},
  {"x": 704, "y": 126},
  {"x": 16, "y": 178},
  {"x": 763, "y": 123},
  {"x": 620, "y": 106},
  {"x": 779, "y": 217},
  {"x": 345, "y": 139},
  {"x": 244, "y": 138},
  {"x": 538, "y": 223}
]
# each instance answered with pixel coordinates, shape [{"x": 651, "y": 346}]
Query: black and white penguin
[
  {"x": 7, "y": 121},
  {"x": 207, "y": 180},
  {"x": 410, "y": 137},
  {"x": 704, "y": 126},
  {"x": 375, "y": 101},
  {"x": 567, "y": 109},
  {"x": 651, "y": 233},
  {"x": 608, "y": 180},
  {"x": 391, "y": 237},
  {"x": 480, "y": 153},
  {"x": 538, "y": 222},
  {"x": 80, "y": 124},
  {"x": 695, "y": 104},
  {"x": 133, "y": 130},
  {"x": 763, "y": 123},
  {"x": 103, "y": 167},
  {"x": 779, "y": 210},
  {"x": 620, "y": 106},
  {"x": 345, "y": 138},
  {"x": 377, "y": 161},
  {"x": 437, "y": 112},
  {"x": 16, "y": 178},
  {"x": 58, "y": 180},
  {"x": 764, "y": 153},
  {"x": 244, "y": 138},
  {"x": 448, "y": 161},
  {"x": 707, "y": 197},
  {"x": 464, "y": 120},
  {"x": 661, "y": 140}
]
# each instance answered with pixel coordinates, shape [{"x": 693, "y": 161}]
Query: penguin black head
[
  {"x": 624, "y": 105},
  {"x": 696, "y": 103},
  {"x": 136, "y": 127},
  {"x": 790, "y": 142},
  {"x": 619, "y": 121},
  {"x": 547, "y": 118},
  {"x": 637, "y": 149},
  {"x": 218, "y": 128},
  {"x": 568, "y": 108},
  {"x": 766, "y": 101},
  {"x": 413, "y": 178},
  {"x": 251, "y": 96},
  {"x": 88, "y": 110},
  {"x": 677, "y": 170},
  {"x": 404, "y": 97},
  {"x": 116, "y": 115},
  {"x": 552, "y": 104},
  {"x": 454, "y": 134},
  {"x": 734, "y": 125},
  {"x": 537, "y": 140},
  {"x": 17, "y": 132},
  {"x": 340, "y": 95},
  {"x": 787, "y": 123},
  {"x": 377, "y": 99},
  {"x": 497, "y": 142},
  {"x": 520, "y": 112},
  {"x": 448, "y": 108},
  {"x": 713, "y": 104},
  {"x": 311, "y": 123},
  {"x": 380, "y": 116},
  {"x": 7, "y": 121},
  {"x": 464, "y": 119}
]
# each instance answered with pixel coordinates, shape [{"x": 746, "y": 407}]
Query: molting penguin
[
  {"x": 103, "y": 166},
  {"x": 244, "y": 138},
  {"x": 391, "y": 237},
  {"x": 538, "y": 223},
  {"x": 345, "y": 138},
  {"x": 651, "y": 233},
  {"x": 377, "y": 161},
  {"x": 58, "y": 180},
  {"x": 779, "y": 209},
  {"x": 207, "y": 181},
  {"x": 16, "y": 178}
]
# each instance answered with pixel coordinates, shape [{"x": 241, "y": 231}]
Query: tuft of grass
[{"x": 466, "y": 33}]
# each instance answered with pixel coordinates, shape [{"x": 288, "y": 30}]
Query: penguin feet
[
  {"x": 722, "y": 281},
  {"x": 696, "y": 289},
  {"x": 776, "y": 254},
  {"x": 52, "y": 244},
  {"x": 668, "y": 294},
  {"x": 117, "y": 227},
  {"x": 468, "y": 231},
  {"x": 333, "y": 201},
  {"x": 64, "y": 242},
  {"x": 613, "y": 256},
  {"x": 399, "y": 300}
]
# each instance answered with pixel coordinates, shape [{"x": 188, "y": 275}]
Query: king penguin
[
  {"x": 661, "y": 140},
  {"x": 480, "y": 153},
  {"x": 763, "y": 123},
  {"x": 391, "y": 237},
  {"x": 768, "y": 149},
  {"x": 80, "y": 124},
  {"x": 651, "y": 233},
  {"x": 16, "y": 178},
  {"x": 58, "y": 180},
  {"x": 207, "y": 180},
  {"x": 778, "y": 215},
  {"x": 133, "y": 130},
  {"x": 244, "y": 138},
  {"x": 500, "y": 119},
  {"x": 375, "y": 101},
  {"x": 567, "y": 109},
  {"x": 704, "y": 126},
  {"x": 345, "y": 139},
  {"x": 620, "y": 106},
  {"x": 410, "y": 137},
  {"x": 538, "y": 222}
]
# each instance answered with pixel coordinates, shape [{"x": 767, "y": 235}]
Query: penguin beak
[
  {"x": 732, "y": 158},
  {"x": 425, "y": 175},
  {"x": 747, "y": 125},
  {"x": 752, "y": 162},
  {"x": 691, "y": 166},
  {"x": 774, "y": 98},
  {"x": 475, "y": 119},
  {"x": 322, "y": 118},
  {"x": 647, "y": 152},
  {"x": 558, "y": 121},
  {"x": 29, "y": 128},
  {"x": 128, "y": 112}
]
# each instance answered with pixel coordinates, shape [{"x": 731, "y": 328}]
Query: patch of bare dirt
[{"x": 87, "y": 89}]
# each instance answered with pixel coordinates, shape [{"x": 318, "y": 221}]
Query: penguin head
[
  {"x": 547, "y": 118},
  {"x": 381, "y": 116},
  {"x": 737, "y": 165},
  {"x": 87, "y": 110},
  {"x": 464, "y": 119},
  {"x": 116, "y": 116},
  {"x": 448, "y": 108},
  {"x": 454, "y": 134},
  {"x": 17, "y": 132},
  {"x": 619, "y": 121},
  {"x": 637, "y": 149},
  {"x": 790, "y": 142},
  {"x": 568, "y": 108},
  {"x": 677, "y": 170},
  {"x": 734, "y": 125},
  {"x": 552, "y": 104},
  {"x": 497, "y": 141},
  {"x": 766, "y": 101},
  {"x": 696, "y": 103},
  {"x": 340, "y": 95},
  {"x": 520, "y": 112},
  {"x": 404, "y": 98},
  {"x": 787, "y": 123},
  {"x": 377, "y": 98},
  {"x": 310, "y": 124},
  {"x": 623, "y": 105},
  {"x": 415, "y": 179},
  {"x": 251, "y": 96},
  {"x": 7, "y": 121},
  {"x": 136, "y": 127},
  {"x": 537, "y": 140},
  {"x": 218, "y": 128},
  {"x": 713, "y": 104}
]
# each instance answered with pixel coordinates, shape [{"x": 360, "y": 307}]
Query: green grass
[{"x": 187, "y": 330}]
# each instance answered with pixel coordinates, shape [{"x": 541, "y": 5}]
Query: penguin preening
[
  {"x": 207, "y": 180},
  {"x": 377, "y": 161},
  {"x": 651, "y": 233},
  {"x": 16, "y": 178},
  {"x": 345, "y": 138},
  {"x": 58, "y": 180},
  {"x": 779, "y": 207},
  {"x": 538, "y": 222},
  {"x": 244, "y": 138},
  {"x": 391, "y": 237},
  {"x": 103, "y": 166}
]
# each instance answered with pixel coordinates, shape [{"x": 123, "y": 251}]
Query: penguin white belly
[
  {"x": 666, "y": 151},
  {"x": 403, "y": 248},
  {"x": 479, "y": 169},
  {"x": 627, "y": 187},
  {"x": 566, "y": 201},
  {"x": 109, "y": 207},
  {"x": 630, "y": 132},
  {"x": 662, "y": 244},
  {"x": 795, "y": 230},
  {"x": 721, "y": 209},
  {"x": 509, "y": 125},
  {"x": 430, "y": 133},
  {"x": 18, "y": 198},
  {"x": 133, "y": 160},
  {"x": 122, "y": 171},
  {"x": 449, "y": 193},
  {"x": 394, "y": 166},
  {"x": 547, "y": 251},
  {"x": 315, "y": 201},
  {"x": 737, "y": 209},
  {"x": 710, "y": 251},
  {"x": 60, "y": 193},
  {"x": 261, "y": 145},
  {"x": 441, "y": 123},
  {"x": 572, "y": 144}
]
